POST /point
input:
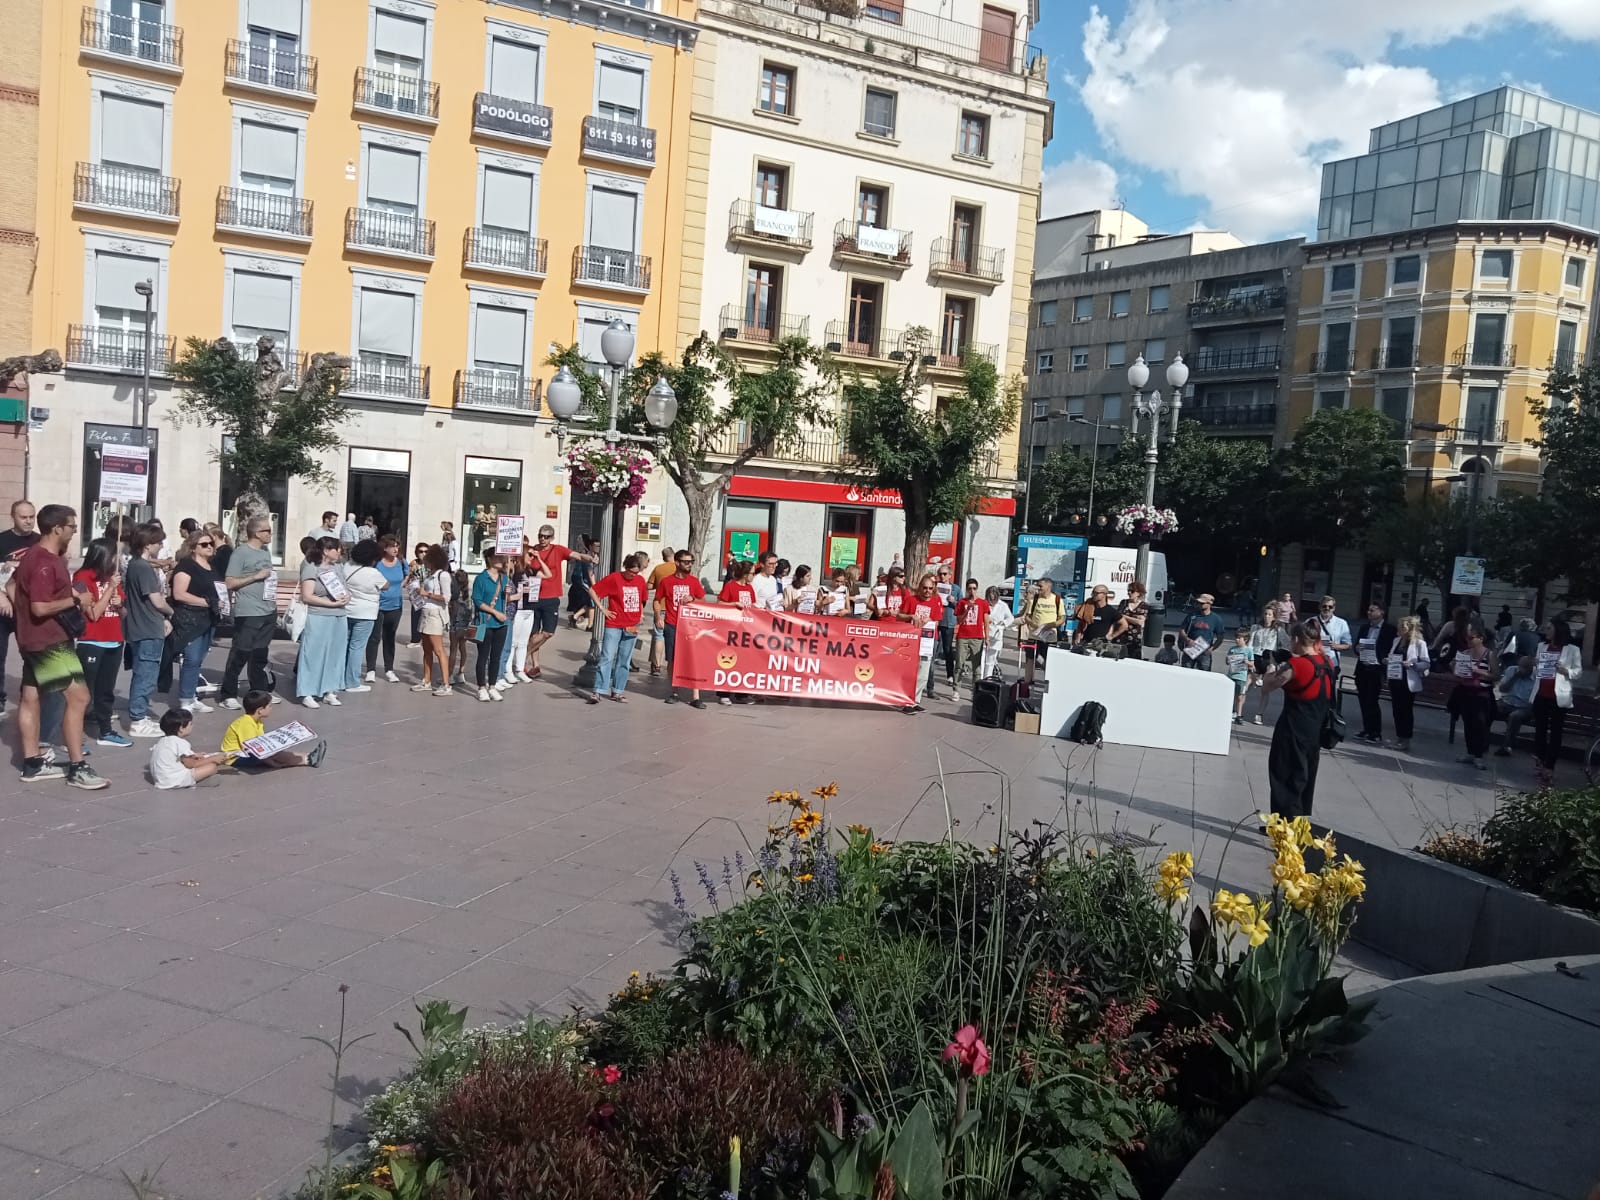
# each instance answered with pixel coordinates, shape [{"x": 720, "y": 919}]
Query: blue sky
[{"x": 1217, "y": 113}]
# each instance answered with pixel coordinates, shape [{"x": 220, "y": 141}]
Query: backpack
[{"x": 1087, "y": 725}]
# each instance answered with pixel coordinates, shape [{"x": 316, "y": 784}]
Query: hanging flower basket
[
  {"x": 1146, "y": 521},
  {"x": 620, "y": 473}
]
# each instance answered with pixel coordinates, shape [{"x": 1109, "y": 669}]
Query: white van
[{"x": 1113, "y": 567}]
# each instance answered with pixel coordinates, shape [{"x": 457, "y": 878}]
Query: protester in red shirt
[
  {"x": 889, "y": 595},
  {"x": 739, "y": 590},
  {"x": 921, "y": 608},
  {"x": 672, "y": 593},
  {"x": 972, "y": 627},
  {"x": 621, "y": 596},
  {"x": 548, "y": 560},
  {"x": 100, "y": 647}
]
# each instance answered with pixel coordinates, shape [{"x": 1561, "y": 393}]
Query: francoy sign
[{"x": 766, "y": 653}]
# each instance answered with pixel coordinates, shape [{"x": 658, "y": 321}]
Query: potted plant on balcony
[
  {"x": 1146, "y": 521},
  {"x": 620, "y": 473},
  {"x": 849, "y": 9}
]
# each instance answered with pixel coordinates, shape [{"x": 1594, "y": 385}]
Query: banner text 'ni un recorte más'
[{"x": 726, "y": 649}]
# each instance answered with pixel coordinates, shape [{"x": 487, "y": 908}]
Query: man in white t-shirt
[{"x": 769, "y": 592}]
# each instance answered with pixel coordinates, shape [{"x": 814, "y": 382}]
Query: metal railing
[
  {"x": 813, "y": 448},
  {"x": 739, "y": 324},
  {"x": 775, "y": 226},
  {"x": 924, "y": 31},
  {"x": 1400, "y": 356},
  {"x": 1332, "y": 362},
  {"x": 953, "y": 356},
  {"x": 878, "y": 343},
  {"x": 294, "y": 362},
  {"x": 1566, "y": 360},
  {"x": 384, "y": 377},
  {"x": 374, "y": 229},
  {"x": 397, "y": 93},
  {"x": 1468, "y": 431},
  {"x": 611, "y": 268},
  {"x": 131, "y": 189},
  {"x": 117, "y": 348},
  {"x": 241, "y": 208},
  {"x": 501, "y": 116},
  {"x": 1254, "y": 306},
  {"x": 619, "y": 139},
  {"x": 847, "y": 241},
  {"x": 476, "y": 387},
  {"x": 1214, "y": 360},
  {"x": 128, "y": 37},
  {"x": 979, "y": 262},
  {"x": 266, "y": 66},
  {"x": 505, "y": 250},
  {"x": 1234, "y": 416},
  {"x": 1499, "y": 355}
]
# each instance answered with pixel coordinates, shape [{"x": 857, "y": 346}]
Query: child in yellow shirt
[{"x": 252, "y": 725}]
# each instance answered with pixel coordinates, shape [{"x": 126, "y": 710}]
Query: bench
[{"x": 1583, "y": 718}]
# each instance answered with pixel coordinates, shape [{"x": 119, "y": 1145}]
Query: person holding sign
[
  {"x": 739, "y": 591},
  {"x": 253, "y": 582},
  {"x": 1556, "y": 665},
  {"x": 1199, "y": 634},
  {"x": 324, "y": 643},
  {"x": 972, "y": 617},
  {"x": 1471, "y": 700},
  {"x": 800, "y": 596},
  {"x": 924, "y": 609},
  {"x": 620, "y": 596},
  {"x": 1374, "y": 639},
  {"x": 672, "y": 593},
  {"x": 251, "y": 725},
  {"x": 1406, "y": 668}
]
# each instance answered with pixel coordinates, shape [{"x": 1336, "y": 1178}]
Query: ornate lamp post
[{"x": 1151, "y": 407}]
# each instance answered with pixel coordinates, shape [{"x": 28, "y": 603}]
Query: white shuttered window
[
  {"x": 115, "y": 301},
  {"x": 262, "y": 304},
  {"x": 267, "y": 158},
  {"x": 613, "y": 219},
  {"x": 514, "y": 70},
  {"x": 393, "y": 179},
  {"x": 621, "y": 93},
  {"x": 499, "y": 338},
  {"x": 507, "y": 200},
  {"x": 388, "y": 321},
  {"x": 131, "y": 132},
  {"x": 283, "y": 16}
]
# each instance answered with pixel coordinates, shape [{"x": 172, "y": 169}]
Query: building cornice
[
  {"x": 1450, "y": 233},
  {"x": 651, "y": 27}
]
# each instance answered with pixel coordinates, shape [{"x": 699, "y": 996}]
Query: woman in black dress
[{"x": 1307, "y": 682}]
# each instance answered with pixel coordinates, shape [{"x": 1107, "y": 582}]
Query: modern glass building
[{"x": 1504, "y": 155}]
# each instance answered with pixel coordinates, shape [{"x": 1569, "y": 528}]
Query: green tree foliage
[
  {"x": 1427, "y": 534},
  {"x": 1567, "y": 532},
  {"x": 933, "y": 456},
  {"x": 1528, "y": 543},
  {"x": 1343, "y": 472}
]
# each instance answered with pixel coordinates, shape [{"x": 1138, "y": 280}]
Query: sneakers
[
  {"x": 505, "y": 681},
  {"x": 439, "y": 691},
  {"x": 1256, "y": 718},
  {"x": 195, "y": 706},
  {"x": 367, "y": 678},
  {"x": 697, "y": 704},
  {"x": 724, "y": 699},
  {"x": 483, "y": 694},
  {"x": 205, "y": 686},
  {"x": 524, "y": 677},
  {"x": 672, "y": 698},
  {"x": 310, "y": 702},
  {"x": 330, "y": 698},
  {"x": 318, "y": 753},
  {"x": 391, "y": 677},
  {"x": 495, "y": 693},
  {"x": 144, "y": 728},
  {"x": 1238, "y": 720},
  {"x": 360, "y": 687},
  {"x": 232, "y": 704},
  {"x": 423, "y": 687},
  {"x": 112, "y": 738},
  {"x": 36, "y": 770},
  {"x": 86, "y": 777},
  {"x": 912, "y": 710}
]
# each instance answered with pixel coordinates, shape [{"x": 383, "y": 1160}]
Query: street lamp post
[
  {"x": 1094, "y": 464},
  {"x": 1151, "y": 407},
  {"x": 565, "y": 398},
  {"x": 147, "y": 290}
]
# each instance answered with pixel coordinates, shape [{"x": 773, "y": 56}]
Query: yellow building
[
  {"x": 441, "y": 190},
  {"x": 19, "y": 242}
]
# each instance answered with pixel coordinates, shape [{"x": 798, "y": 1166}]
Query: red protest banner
[{"x": 726, "y": 649}]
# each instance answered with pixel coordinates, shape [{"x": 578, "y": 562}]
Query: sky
[{"x": 1217, "y": 114}]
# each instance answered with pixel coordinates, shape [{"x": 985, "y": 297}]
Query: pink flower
[
  {"x": 612, "y": 1074},
  {"x": 971, "y": 1055}
]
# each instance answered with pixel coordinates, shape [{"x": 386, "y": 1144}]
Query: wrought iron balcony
[
  {"x": 1237, "y": 360},
  {"x": 264, "y": 212},
  {"x": 267, "y": 67},
  {"x": 505, "y": 251},
  {"x": 740, "y": 324},
  {"x": 1332, "y": 362},
  {"x": 1500, "y": 356},
  {"x": 751, "y": 222},
  {"x": 868, "y": 243},
  {"x": 1397, "y": 356},
  {"x": 1265, "y": 305},
  {"x": 604, "y": 267},
  {"x": 851, "y": 340},
  {"x": 405, "y": 95},
  {"x": 813, "y": 448},
  {"x": 514, "y": 120},
  {"x": 950, "y": 257},
  {"x": 125, "y": 189},
  {"x": 1234, "y": 416},
  {"x": 382, "y": 376},
  {"x": 383, "y": 232},
  {"x": 1466, "y": 432},
  {"x": 149, "y": 42},
  {"x": 1566, "y": 360},
  {"x": 629, "y": 143},
  {"x": 952, "y": 356},
  {"x": 294, "y": 362},
  {"x": 502, "y": 391},
  {"x": 115, "y": 348}
]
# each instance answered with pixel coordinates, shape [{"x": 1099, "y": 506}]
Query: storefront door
[
  {"x": 380, "y": 487},
  {"x": 493, "y": 487},
  {"x": 845, "y": 542}
]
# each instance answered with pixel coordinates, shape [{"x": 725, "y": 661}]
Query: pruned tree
[
  {"x": 1343, "y": 472},
  {"x": 1428, "y": 535},
  {"x": 933, "y": 455},
  {"x": 272, "y": 431},
  {"x": 46, "y": 362}
]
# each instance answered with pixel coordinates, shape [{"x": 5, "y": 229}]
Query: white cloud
[
  {"x": 1077, "y": 185},
  {"x": 1238, "y": 102}
]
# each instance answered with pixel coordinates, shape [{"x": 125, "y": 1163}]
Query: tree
[
  {"x": 1428, "y": 535},
  {"x": 1569, "y": 447},
  {"x": 271, "y": 432},
  {"x": 932, "y": 456},
  {"x": 1526, "y": 541},
  {"x": 728, "y": 414},
  {"x": 1343, "y": 471},
  {"x": 46, "y": 362}
]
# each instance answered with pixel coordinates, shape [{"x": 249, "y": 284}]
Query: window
[
  {"x": 267, "y": 158},
  {"x": 1566, "y": 357},
  {"x": 974, "y": 140},
  {"x": 1401, "y": 350},
  {"x": 886, "y": 10},
  {"x": 964, "y": 237},
  {"x": 135, "y": 27},
  {"x": 1111, "y": 407},
  {"x": 1074, "y": 406},
  {"x": 515, "y": 70},
  {"x": 1117, "y": 354},
  {"x": 1083, "y": 308},
  {"x": 619, "y": 93},
  {"x": 118, "y": 308},
  {"x": 613, "y": 219},
  {"x": 777, "y": 90},
  {"x": 1395, "y": 403},
  {"x": 1044, "y": 362},
  {"x": 385, "y": 338},
  {"x": 772, "y": 186},
  {"x": 1160, "y": 298},
  {"x": 1336, "y": 347},
  {"x": 592, "y": 324},
  {"x": 1041, "y": 409},
  {"x": 263, "y": 306},
  {"x": 872, "y": 207},
  {"x": 507, "y": 200},
  {"x": 273, "y": 34},
  {"x": 878, "y": 118},
  {"x": 763, "y": 296},
  {"x": 1121, "y": 303},
  {"x": 132, "y": 134},
  {"x": 1342, "y": 278},
  {"x": 1575, "y": 269},
  {"x": 499, "y": 346},
  {"x": 997, "y": 40},
  {"x": 1488, "y": 339},
  {"x": 399, "y": 50},
  {"x": 1330, "y": 399},
  {"x": 1495, "y": 264},
  {"x": 956, "y": 330},
  {"x": 1047, "y": 313},
  {"x": 866, "y": 303},
  {"x": 1407, "y": 269},
  {"x": 1080, "y": 358},
  {"x": 1483, "y": 406},
  {"x": 1155, "y": 350},
  {"x": 394, "y": 180}
]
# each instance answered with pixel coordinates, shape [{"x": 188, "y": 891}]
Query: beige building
[{"x": 19, "y": 238}]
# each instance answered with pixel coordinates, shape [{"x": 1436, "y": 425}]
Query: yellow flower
[
  {"x": 1257, "y": 931},
  {"x": 1227, "y": 907},
  {"x": 862, "y": 830},
  {"x": 1171, "y": 889},
  {"x": 1179, "y": 860},
  {"x": 633, "y": 974},
  {"x": 826, "y": 792},
  {"x": 1301, "y": 890},
  {"x": 805, "y": 824},
  {"x": 806, "y": 878},
  {"x": 878, "y": 847}
]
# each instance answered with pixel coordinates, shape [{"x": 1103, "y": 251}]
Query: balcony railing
[
  {"x": 113, "y": 347},
  {"x": 267, "y": 67},
  {"x": 1215, "y": 360},
  {"x": 611, "y": 268},
  {"x": 1253, "y": 306},
  {"x": 263, "y": 212},
  {"x": 870, "y": 243},
  {"x": 381, "y": 376},
  {"x": 813, "y": 448},
  {"x": 856, "y": 342},
  {"x": 952, "y": 357},
  {"x": 505, "y": 391},
  {"x": 1495, "y": 355},
  {"x": 950, "y": 257},
  {"x": 404, "y": 94},
  {"x": 501, "y": 116},
  {"x": 126, "y": 189},
  {"x": 619, "y": 139},
  {"x": 1566, "y": 360},
  {"x": 294, "y": 362},
  {"x": 1401, "y": 356},
  {"x": 923, "y": 31},
  {"x": 1466, "y": 432},
  {"x": 1235, "y": 416},
  {"x": 739, "y": 324},
  {"x": 126, "y": 37},
  {"x": 1332, "y": 362},
  {"x": 505, "y": 250},
  {"x": 769, "y": 226},
  {"x": 400, "y": 233}
]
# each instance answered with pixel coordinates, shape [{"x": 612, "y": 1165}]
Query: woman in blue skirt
[{"x": 325, "y": 640}]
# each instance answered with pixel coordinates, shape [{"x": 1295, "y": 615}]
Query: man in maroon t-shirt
[
  {"x": 44, "y": 603},
  {"x": 672, "y": 593},
  {"x": 621, "y": 596},
  {"x": 547, "y": 608}
]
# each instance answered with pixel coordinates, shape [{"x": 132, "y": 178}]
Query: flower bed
[{"x": 854, "y": 1019}]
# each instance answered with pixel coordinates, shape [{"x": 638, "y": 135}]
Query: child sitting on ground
[
  {"x": 1168, "y": 654},
  {"x": 173, "y": 762},
  {"x": 1240, "y": 663},
  {"x": 252, "y": 725}
]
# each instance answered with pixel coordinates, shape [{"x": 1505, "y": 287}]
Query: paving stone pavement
[{"x": 163, "y": 955}]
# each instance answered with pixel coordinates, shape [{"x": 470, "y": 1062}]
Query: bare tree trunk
[
  {"x": 916, "y": 550},
  {"x": 701, "y": 499}
]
